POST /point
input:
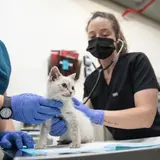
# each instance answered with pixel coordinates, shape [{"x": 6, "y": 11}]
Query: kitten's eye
[
  {"x": 72, "y": 88},
  {"x": 64, "y": 85}
]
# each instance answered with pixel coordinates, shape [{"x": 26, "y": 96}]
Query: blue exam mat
[
  {"x": 125, "y": 146},
  {"x": 35, "y": 152},
  {"x": 90, "y": 149}
]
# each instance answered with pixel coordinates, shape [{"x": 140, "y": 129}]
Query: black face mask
[{"x": 101, "y": 48}]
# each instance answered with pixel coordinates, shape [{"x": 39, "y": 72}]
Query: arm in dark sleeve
[
  {"x": 143, "y": 75},
  {"x": 5, "y": 68}
]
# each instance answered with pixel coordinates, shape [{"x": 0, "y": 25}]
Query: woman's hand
[
  {"x": 96, "y": 116},
  {"x": 34, "y": 109},
  {"x": 16, "y": 139}
]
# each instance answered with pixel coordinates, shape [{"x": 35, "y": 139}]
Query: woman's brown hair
[{"x": 116, "y": 28}]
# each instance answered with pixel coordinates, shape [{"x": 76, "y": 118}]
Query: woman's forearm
[
  {"x": 1, "y": 101},
  {"x": 6, "y": 125},
  {"x": 133, "y": 118}
]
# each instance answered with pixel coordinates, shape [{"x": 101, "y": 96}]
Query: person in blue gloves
[{"x": 27, "y": 108}]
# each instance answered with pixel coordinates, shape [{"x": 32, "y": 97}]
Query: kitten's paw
[
  {"x": 75, "y": 145},
  {"x": 40, "y": 146}
]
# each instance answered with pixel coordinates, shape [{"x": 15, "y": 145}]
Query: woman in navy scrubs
[
  {"x": 27, "y": 108},
  {"x": 126, "y": 97}
]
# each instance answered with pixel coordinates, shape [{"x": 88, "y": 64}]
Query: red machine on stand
[{"x": 67, "y": 62}]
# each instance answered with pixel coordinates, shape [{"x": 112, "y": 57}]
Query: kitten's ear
[
  {"x": 73, "y": 76},
  {"x": 55, "y": 73}
]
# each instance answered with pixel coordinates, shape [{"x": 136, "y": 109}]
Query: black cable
[
  {"x": 94, "y": 65},
  {"x": 93, "y": 87},
  {"x": 99, "y": 74}
]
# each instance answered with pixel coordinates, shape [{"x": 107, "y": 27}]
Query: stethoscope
[{"x": 100, "y": 70}]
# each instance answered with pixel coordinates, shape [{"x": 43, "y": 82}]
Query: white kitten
[{"x": 80, "y": 129}]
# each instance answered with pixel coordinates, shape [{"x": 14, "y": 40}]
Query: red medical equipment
[{"x": 66, "y": 60}]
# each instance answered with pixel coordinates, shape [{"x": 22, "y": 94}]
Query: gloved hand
[
  {"x": 58, "y": 127},
  {"x": 96, "y": 116},
  {"x": 33, "y": 109},
  {"x": 18, "y": 139}
]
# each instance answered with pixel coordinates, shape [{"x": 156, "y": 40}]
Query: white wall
[{"x": 31, "y": 28}]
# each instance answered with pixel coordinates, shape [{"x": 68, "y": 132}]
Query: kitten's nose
[{"x": 70, "y": 93}]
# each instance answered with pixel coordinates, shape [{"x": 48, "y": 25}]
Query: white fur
[
  {"x": 80, "y": 128},
  {"x": 84, "y": 123}
]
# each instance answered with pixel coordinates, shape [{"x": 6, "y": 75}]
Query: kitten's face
[{"x": 60, "y": 87}]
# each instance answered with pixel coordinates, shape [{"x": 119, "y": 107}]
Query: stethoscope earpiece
[{"x": 119, "y": 40}]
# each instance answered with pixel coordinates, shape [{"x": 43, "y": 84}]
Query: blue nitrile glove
[
  {"x": 34, "y": 109},
  {"x": 16, "y": 139},
  {"x": 96, "y": 116},
  {"x": 58, "y": 127}
]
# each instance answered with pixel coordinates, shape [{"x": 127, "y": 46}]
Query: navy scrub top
[
  {"x": 132, "y": 73},
  {"x": 5, "y": 68}
]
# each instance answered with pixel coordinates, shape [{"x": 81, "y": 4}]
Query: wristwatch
[{"x": 6, "y": 110}]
